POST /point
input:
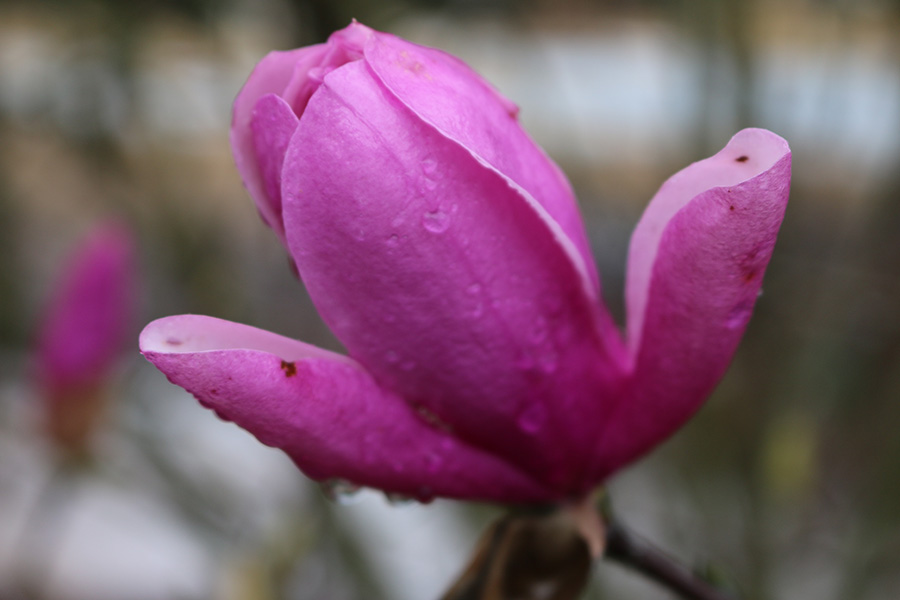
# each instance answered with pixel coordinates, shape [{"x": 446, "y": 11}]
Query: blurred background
[{"x": 786, "y": 485}]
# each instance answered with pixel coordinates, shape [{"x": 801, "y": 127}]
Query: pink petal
[
  {"x": 445, "y": 279},
  {"x": 325, "y": 412},
  {"x": 272, "y": 124},
  {"x": 449, "y": 95},
  {"x": 695, "y": 269},
  {"x": 271, "y": 76}
]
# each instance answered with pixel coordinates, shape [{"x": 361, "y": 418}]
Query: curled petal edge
[{"x": 325, "y": 411}]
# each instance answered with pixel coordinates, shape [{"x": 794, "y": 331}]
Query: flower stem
[{"x": 631, "y": 551}]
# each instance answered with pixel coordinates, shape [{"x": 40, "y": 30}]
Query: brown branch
[{"x": 626, "y": 548}]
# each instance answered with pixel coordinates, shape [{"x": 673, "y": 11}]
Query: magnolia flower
[
  {"x": 446, "y": 252},
  {"x": 84, "y": 331}
]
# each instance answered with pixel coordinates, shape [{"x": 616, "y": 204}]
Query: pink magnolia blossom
[
  {"x": 446, "y": 252},
  {"x": 85, "y": 329}
]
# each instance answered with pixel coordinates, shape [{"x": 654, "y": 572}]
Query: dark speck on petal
[{"x": 289, "y": 368}]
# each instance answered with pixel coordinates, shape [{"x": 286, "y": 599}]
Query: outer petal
[
  {"x": 448, "y": 94},
  {"x": 695, "y": 269},
  {"x": 271, "y": 125},
  {"x": 445, "y": 279},
  {"x": 325, "y": 411},
  {"x": 271, "y": 76}
]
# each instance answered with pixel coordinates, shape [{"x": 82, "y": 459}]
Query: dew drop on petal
[
  {"x": 393, "y": 241},
  {"x": 397, "y": 499},
  {"x": 739, "y": 315},
  {"x": 436, "y": 221},
  {"x": 429, "y": 166},
  {"x": 532, "y": 418},
  {"x": 425, "y": 494},
  {"x": 340, "y": 491},
  {"x": 474, "y": 302}
]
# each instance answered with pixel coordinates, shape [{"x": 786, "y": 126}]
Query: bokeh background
[{"x": 786, "y": 485}]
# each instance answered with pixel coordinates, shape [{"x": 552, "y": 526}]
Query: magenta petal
[
  {"x": 271, "y": 76},
  {"x": 446, "y": 93},
  {"x": 272, "y": 124},
  {"x": 446, "y": 280},
  {"x": 695, "y": 269},
  {"x": 325, "y": 411}
]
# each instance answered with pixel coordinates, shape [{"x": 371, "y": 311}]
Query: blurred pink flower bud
[
  {"x": 84, "y": 331},
  {"x": 446, "y": 252}
]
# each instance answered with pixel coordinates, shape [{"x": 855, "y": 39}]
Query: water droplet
[
  {"x": 532, "y": 418},
  {"x": 739, "y": 315},
  {"x": 393, "y": 241},
  {"x": 425, "y": 494},
  {"x": 436, "y": 221},
  {"x": 397, "y": 499},
  {"x": 429, "y": 166},
  {"x": 475, "y": 303},
  {"x": 340, "y": 490}
]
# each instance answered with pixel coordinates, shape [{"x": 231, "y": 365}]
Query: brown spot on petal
[
  {"x": 742, "y": 158},
  {"x": 289, "y": 368},
  {"x": 731, "y": 207},
  {"x": 749, "y": 276}
]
